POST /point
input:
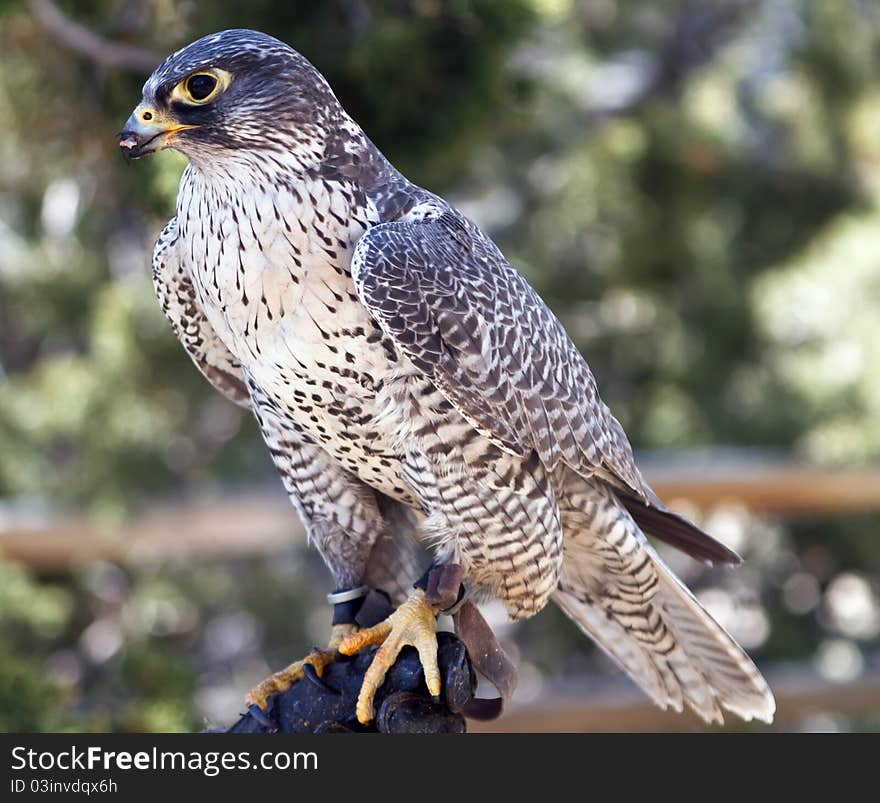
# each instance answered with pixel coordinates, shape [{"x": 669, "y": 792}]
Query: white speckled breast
[{"x": 275, "y": 286}]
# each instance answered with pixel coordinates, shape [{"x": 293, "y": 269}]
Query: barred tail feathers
[{"x": 619, "y": 592}]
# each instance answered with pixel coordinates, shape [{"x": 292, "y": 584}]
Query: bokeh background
[{"x": 694, "y": 187}]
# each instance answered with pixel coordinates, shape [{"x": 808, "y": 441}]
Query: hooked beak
[{"x": 146, "y": 131}]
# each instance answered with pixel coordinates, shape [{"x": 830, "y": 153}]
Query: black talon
[{"x": 311, "y": 674}]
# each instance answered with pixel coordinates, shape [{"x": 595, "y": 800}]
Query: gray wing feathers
[
  {"x": 447, "y": 297},
  {"x": 177, "y": 298}
]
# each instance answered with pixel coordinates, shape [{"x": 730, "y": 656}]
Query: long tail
[{"x": 621, "y": 594}]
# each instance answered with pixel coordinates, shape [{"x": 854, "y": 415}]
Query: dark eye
[{"x": 200, "y": 86}]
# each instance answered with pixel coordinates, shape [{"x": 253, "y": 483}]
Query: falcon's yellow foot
[
  {"x": 282, "y": 680},
  {"x": 413, "y": 624}
]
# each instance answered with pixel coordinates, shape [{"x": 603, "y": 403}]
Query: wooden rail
[
  {"x": 768, "y": 487},
  {"x": 585, "y": 706},
  {"x": 208, "y": 526},
  {"x": 261, "y": 520}
]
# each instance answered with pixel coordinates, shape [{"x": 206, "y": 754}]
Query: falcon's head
[{"x": 231, "y": 91}]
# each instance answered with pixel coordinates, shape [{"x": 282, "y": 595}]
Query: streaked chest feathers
[{"x": 270, "y": 267}]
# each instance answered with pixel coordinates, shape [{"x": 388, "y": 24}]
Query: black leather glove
[{"x": 402, "y": 703}]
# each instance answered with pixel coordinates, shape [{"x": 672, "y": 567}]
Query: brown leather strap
[
  {"x": 443, "y": 591},
  {"x": 488, "y": 658},
  {"x": 443, "y": 586}
]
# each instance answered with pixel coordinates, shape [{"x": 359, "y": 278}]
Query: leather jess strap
[
  {"x": 488, "y": 658},
  {"x": 443, "y": 591}
]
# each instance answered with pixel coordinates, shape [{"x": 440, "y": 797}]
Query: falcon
[{"x": 411, "y": 387}]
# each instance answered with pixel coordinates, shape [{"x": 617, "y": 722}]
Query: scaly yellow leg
[
  {"x": 412, "y": 624},
  {"x": 282, "y": 680}
]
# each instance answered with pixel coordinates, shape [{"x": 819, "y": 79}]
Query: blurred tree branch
[
  {"x": 698, "y": 31},
  {"x": 79, "y": 39}
]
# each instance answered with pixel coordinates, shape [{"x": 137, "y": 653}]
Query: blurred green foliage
[{"x": 694, "y": 187}]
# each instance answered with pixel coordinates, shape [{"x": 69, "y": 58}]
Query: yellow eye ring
[{"x": 201, "y": 87}]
